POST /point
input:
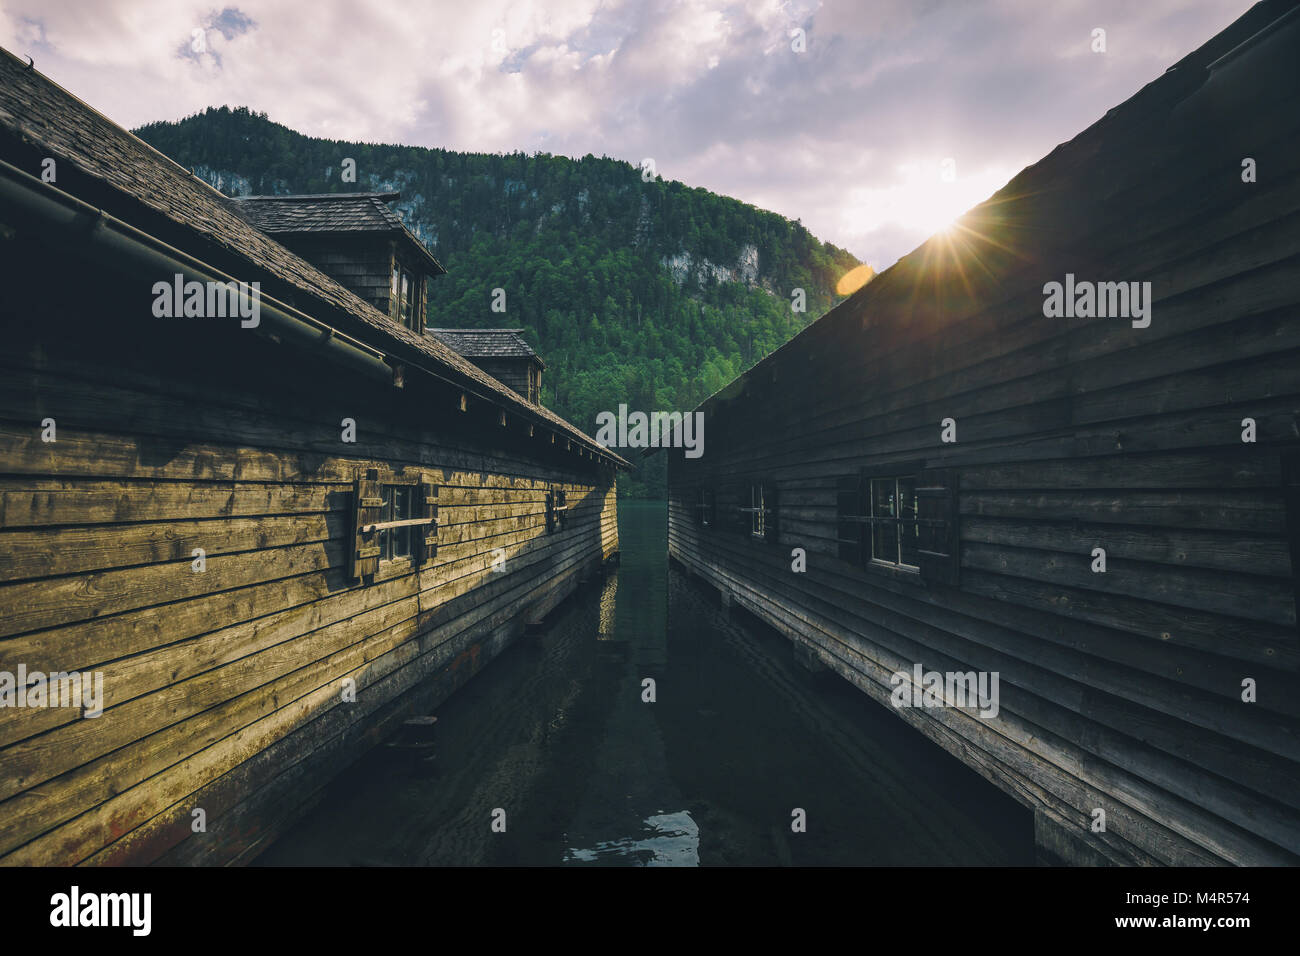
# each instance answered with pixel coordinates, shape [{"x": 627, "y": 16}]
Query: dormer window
[
  {"x": 358, "y": 240},
  {"x": 406, "y": 297},
  {"x": 401, "y": 296},
  {"x": 502, "y": 353}
]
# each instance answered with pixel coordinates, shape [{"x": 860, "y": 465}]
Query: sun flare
[{"x": 921, "y": 202}]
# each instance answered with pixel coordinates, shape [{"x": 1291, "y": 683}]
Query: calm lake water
[{"x": 556, "y": 734}]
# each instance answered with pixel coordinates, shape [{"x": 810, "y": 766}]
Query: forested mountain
[{"x": 652, "y": 294}]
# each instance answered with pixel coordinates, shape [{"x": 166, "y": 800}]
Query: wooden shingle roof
[
  {"x": 332, "y": 214},
  {"x": 325, "y": 212},
  {"x": 487, "y": 343},
  {"x": 107, "y": 166}
]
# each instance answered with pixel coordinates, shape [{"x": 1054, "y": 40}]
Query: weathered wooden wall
[
  {"x": 362, "y": 264},
  {"x": 223, "y": 688},
  {"x": 1122, "y": 690},
  {"x": 510, "y": 372}
]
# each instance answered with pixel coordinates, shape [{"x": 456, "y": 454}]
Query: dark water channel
[{"x": 556, "y": 734}]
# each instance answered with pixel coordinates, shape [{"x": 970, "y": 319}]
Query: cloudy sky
[{"x": 849, "y": 126}]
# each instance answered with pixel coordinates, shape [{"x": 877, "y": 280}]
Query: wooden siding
[
  {"x": 223, "y": 688},
  {"x": 511, "y": 372},
  {"x": 363, "y": 265},
  {"x": 1119, "y": 690}
]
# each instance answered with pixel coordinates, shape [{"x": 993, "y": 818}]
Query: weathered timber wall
[
  {"x": 1120, "y": 690},
  {"x": 511, "y": 372},
  {"x": 223, "y": 688},
  {"x": 363, "y": 265}
]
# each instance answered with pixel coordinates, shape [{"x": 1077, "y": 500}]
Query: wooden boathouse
[
  {"x": 1100, "y": 506},
  {"x": 275, "y": 520}
]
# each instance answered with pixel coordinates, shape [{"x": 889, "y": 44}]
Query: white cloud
[{"x": 712, "y": 90}]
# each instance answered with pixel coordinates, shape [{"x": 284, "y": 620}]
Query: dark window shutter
[
  {"x": 939, "y": 539},
  {"x": 426, "y": 542},
  {"x": 771, "y": 517},
  {"x": 367, "y": 507},
  {"x": 850, "y": 504}
]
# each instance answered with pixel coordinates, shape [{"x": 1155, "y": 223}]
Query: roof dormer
[
  {"x": 357, "y": 240},
  {"x": 503, "y": 354}
]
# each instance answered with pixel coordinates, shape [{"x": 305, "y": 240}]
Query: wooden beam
[{"x": 463, "y": 403}]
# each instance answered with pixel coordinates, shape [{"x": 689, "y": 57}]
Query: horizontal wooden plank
[{"x": 1226, "y": 552}]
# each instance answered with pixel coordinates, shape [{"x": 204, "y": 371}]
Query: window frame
[
  {"x": 934, "y": 490},
  {"x": 404, "y": 298},
  {"x": 763, "y": 519},
  {"x": 395, "y": 292},
  {"x": 387, "y": 537},
  {"x": 757, "y": 511},
  {"x": 873, "y": 521},
  {"x": 384, "y": 552},
  {"x": 406, "y": 295},
  {"x": 705, "y": 507},
  {"x": 557, "y": 509}
]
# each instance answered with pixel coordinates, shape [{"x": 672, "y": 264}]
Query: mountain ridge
[{"x": 633, "y": 289}]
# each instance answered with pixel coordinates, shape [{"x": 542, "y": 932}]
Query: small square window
[
  {"x": 908, "y": 522},
  {"x": 393, "y": 520}
]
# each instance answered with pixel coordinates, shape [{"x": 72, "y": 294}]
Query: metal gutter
[{"x": 83, "y": 225}]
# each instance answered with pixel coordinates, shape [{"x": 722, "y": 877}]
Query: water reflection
[
  {"x": 671, "y": 839},
  {"x": 558, "y": 733}
]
